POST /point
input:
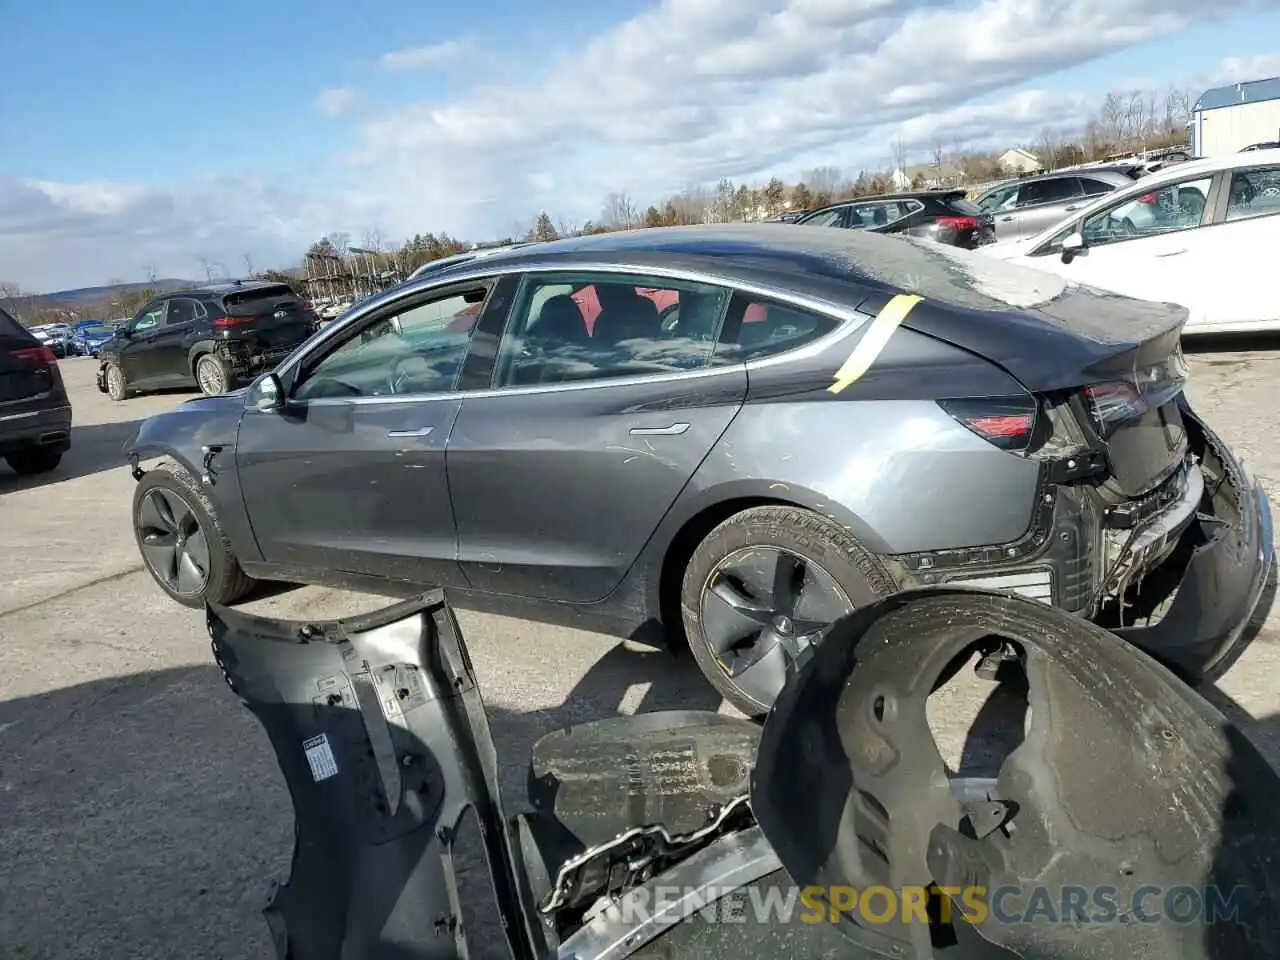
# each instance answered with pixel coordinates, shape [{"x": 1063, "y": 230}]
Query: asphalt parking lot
[{"x": 141, "y": 811}]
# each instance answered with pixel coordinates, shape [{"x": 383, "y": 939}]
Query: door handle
[
  {"x": 672, "y": 431},
  {"x": 420, "y": 432},
  {"x": 1072, "y": 208},
  {"x": 1006, "y": 219},
  {"x": 1172, "y": 253}
]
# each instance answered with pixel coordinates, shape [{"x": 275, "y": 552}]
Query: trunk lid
[
  {"x": 1120, "y": 357},
  {"x": 267, "y": 317},
  {"x": 25, "y": 370}
]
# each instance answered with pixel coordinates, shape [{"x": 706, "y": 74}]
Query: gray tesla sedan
[{"x": 725, "y": 436}]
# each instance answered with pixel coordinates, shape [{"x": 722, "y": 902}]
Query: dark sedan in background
[
  {"x": 817, "y": 419},
  {"x": 942, "y": 215},
  {"x": 35, "y": 414}
]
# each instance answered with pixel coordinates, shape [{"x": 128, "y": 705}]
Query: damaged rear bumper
[{"x": 1232, "y": 549}]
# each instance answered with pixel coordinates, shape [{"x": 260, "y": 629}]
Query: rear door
[
  {"x": 350, "y": 475},
  {"x": 562, "y": 471},
  {"x": 167, "y": 354},
  {"x": 1042, "y": 203}
]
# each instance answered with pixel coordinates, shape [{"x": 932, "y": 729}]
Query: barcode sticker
[{"x": 320, "y": 756}]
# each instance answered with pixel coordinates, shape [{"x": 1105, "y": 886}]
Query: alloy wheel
[
  {"x": 762, "y": 607},
  {"x": 210, "y": 377},
  {"x": 173, "y": 543}
]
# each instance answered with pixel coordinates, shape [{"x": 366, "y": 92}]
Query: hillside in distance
[{"x": 67, "y": 298}]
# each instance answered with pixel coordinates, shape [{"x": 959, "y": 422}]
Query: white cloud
[
  {"x": 337, "y": 101},
  {"x": 690, "y": 90},
  {"x": 1241, "y": 69},
  {"x": 427, "y": 57}
]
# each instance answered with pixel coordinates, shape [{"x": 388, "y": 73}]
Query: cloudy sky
[{"x": 141, "y": 136}]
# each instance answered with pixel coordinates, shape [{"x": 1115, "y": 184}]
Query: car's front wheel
[
  {"x": 117, "y": 385},
  {"x": 763, "y": 586},
  {"x": 181, "y": 539}
]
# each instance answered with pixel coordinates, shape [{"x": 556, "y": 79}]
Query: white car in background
[{"x": 1204, "y": 234}]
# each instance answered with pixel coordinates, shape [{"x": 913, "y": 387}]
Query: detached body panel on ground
[{"x": 727, "y": 436}]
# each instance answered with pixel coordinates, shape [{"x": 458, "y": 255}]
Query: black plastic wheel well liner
[{"x": 1126, "y": 777}]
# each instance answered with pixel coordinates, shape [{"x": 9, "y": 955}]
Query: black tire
[
  {"x": 224, "y": 581},
  {"x": 213, "y": 374},
  {"x": 117, "y": 382},
  {"x": 26, "y": 463},
  {"x": 820, "y": 544}
]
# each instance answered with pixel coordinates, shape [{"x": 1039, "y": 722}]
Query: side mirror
[
  {"x": 1071, "y": 247},
  {"x": 267, "y": 393}
]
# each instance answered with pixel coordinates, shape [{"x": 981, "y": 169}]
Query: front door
[
  {"x": 562, "y": 472},
  {"x": 137, "y": 351},
  {"x": 350, "y": 475},
  {"x": 170, "y": 342}
]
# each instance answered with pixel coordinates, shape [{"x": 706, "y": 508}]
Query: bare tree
[
  {"x": 899, "y": 157},
  {"x": 340, "y": 240},
  {"x": 206, "y": 264},
  {"x": 619, "y": 212},
  {"x": 248, "y": 263},
  {"x": 824, "y": 180},
  {"x": 1048, "y": 146},
  {"x": 566, "y": 227},
  {"x": 374, "y": 240},
  {"x": 1177, "y": 109},
  {"x": 150, "y": 271},
  {"x": 9, "y": 290},
  {"x": 939, "y": 160}
]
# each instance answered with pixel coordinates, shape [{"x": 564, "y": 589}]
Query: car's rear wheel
[
  {"x": 117, "y": 384},
  {"x": 213, "y": 375},
  {"x": 762, "y": 587},
  {"x": 182, "y": 542},
  {"x": 28, "y": 462}
]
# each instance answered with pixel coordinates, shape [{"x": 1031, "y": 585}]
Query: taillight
[
  {"x": 1116, "y": 401},
  {"x": 226, "y": 323},
  {"x": 958, "y": 223},
  {"x": 36, "y": 356},
  {"x": 1150, "y": 199},
  {"x": 1006, "y": 422}
]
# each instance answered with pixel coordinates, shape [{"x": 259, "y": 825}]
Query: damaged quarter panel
[
  {"x": 201, "y": 436},
  {"x": 880, "y": 456}
]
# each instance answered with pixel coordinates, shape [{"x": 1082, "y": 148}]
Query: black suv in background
[
  {"x": 943, "y": 215},
  {"x": 35, "y": 414},
  {"x": 211, "y": 337}
]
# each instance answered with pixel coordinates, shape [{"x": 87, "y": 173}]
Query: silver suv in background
[{"x": 1022, "y": 208}]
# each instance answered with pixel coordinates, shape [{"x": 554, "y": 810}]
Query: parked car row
[
  {"x": 942, "y": 215},
  {"x": 725, "y": 435},
  {"x": 1202, "y": 234}
]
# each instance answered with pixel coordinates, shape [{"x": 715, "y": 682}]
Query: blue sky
[{"x": 149, "y": 133}]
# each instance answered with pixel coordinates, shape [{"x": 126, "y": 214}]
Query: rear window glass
[
  {"x": 10, "y": 327},
  {"x": 964, "y": 207},
  {"x": 257, "y": 296},
  {"x": 770, "y": 328}
]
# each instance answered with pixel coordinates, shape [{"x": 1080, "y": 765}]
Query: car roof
[
  {"x": 1153, "y": 181},
  {"x": 1114, "y": 172},
  {"x": 814, "y": 267},
  {"x": 222, "y": 288}
]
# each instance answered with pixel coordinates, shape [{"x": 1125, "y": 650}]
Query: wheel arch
[{"x": 196, "y": 351}]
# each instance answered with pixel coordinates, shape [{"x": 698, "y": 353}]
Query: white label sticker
[{"x": 320, "y": 756}]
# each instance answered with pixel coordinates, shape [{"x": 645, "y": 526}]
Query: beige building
[
  {"x": 1019, "y": 161},
  {"x": 1228, "y": 119}
]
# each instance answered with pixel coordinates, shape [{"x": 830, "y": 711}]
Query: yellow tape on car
[{"x": 874, "y": 340}]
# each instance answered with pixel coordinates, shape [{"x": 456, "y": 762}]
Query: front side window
[
  {"x": 827, "y": 218},
  {"x": 1167, "y": 209},
  {"x": 568, "y": 328},
  {"x": 1001, "y": 198},
  {"x": 420, "y": 350},
  {"x": 151, "y": 317},
  {"x": 1254, "y": 193}
]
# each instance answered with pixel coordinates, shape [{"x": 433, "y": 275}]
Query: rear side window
[
  {"x": 763, "y": 328},
  {"x": 570, "y": 328},
  {"x": 1049, "y": 191},
  {"x": 1254, "y": 193},
  {"x": 827, "y": 218},
  {"x": 1095, "y": 188}
]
